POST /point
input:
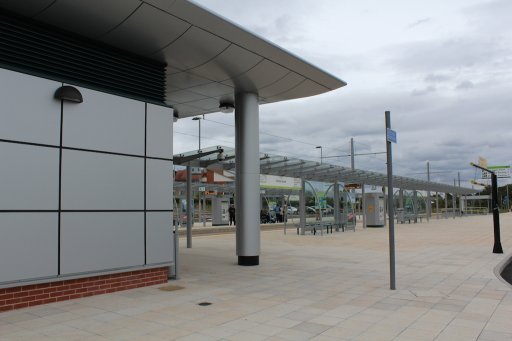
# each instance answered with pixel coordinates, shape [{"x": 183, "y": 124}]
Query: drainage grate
[{"x": 204, "y": 304}]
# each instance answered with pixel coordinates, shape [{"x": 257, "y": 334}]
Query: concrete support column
[
  {"x": 204, "y": 208},
  {"x": 446, "y": 204},
  {"x": 437, "y": 205},
  {"x": 429, "y": 205},
  {"x": 415, "y": 205},
  {"x": 344, "y": 217},
  {"x": 454, "y": 205},
  {"x": 190, "y": 205},
  {"x": 302, "y": 207},
  {"x": 401, "y": 204},
  {"x": 363, "y": 203},
  {"x": 401, "y": 198},
  {"x": 336, "y": 205},
  {"x": 247, "y": 151}
]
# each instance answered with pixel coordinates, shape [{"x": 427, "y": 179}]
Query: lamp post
[
  {"x": 495, "y": 209},
  {"x": 352, "y": 153},
  {"x": 198, "y": 119},
  {"x": 321, "y": 153}
]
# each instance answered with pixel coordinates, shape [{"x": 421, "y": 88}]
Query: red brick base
[{"x": 35, "y": 294}]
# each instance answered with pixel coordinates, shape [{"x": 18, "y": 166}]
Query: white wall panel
[
  {"x": 29, "y": 112},
  {"x": 160, "y": 247},
  {"x": 159, "y": 131},
  {"x": 94, "y": 181},
  {"x": 105, "y": 122},
  {"x": 101, "y": 240},
  {"x": 28, "y": 245},
  {"x": 29, "y": 177},
  {"x": 158, "y": 184}
]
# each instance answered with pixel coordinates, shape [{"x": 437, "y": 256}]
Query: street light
[
  {"x": 198, "y": 119},
  {"x": 321, "y": 153},
  {"x": 495, "y": 209}
]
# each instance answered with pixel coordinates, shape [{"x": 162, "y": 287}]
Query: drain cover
[{"x": 204, "y": 304}]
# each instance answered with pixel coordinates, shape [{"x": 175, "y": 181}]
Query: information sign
[{"x": 390, "y": 135}]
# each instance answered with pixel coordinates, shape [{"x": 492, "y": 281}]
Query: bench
[
  {"x": 408, "y": 217},
  {"x": 327, "y": 226}
]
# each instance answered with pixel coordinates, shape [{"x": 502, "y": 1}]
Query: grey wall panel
[
  {"x": 101, "y": 240},
  {"x": 105, "y": 122},
  {"x": 159, "y": 237},
  {"x": 29, "y": 177},
  {"x": 29, "y": 111},
  {"x": 159, "y": 131},
  {"x": 158, "y": 185},
  {"x": 28, "y": 245},
  {"x": 94, "y": 181}
]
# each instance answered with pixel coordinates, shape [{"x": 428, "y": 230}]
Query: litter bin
[
  {"x": 374, "y": 209},
  {"x": 400, "y": 215},
  {"x": 220, "y": 214}
]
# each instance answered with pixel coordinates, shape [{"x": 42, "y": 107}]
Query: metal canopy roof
[
  {"x": 315, "y": 171},
  {"x": 207, "y": 56}
]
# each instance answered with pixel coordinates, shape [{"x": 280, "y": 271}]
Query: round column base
[{"x": 248, "y": 260}]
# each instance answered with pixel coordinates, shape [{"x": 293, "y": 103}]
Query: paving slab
[{"x": 322, "y": 287}]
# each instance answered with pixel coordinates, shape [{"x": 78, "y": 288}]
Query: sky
[{"x": 442, "y": 68}]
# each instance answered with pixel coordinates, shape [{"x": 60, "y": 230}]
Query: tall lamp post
[
  {"x": 321, "y": 153},
  {"x": 199, "y": 204},
  {"x": 495, "y": 208},
  {"x": 198, "y": 119}
]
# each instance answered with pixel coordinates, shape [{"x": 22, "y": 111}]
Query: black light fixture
[
  {"x": 69, "y": 94},
  {"x": 321, "y": 153},
  {"x": 226, "y": 107}
]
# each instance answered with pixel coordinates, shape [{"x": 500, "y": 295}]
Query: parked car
[
  {"x": 327, "y": 210},
  {"x": 292, "y": 210}
]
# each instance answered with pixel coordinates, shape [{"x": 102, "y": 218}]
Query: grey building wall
[{"x": 84, "y": 188}]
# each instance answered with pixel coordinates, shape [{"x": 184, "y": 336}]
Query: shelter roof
[
  {"x": 316, "y": 171},
  {"x": 208, "y": 57}
]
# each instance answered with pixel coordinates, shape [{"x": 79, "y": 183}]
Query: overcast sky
[{"x": 443, "y": 69}]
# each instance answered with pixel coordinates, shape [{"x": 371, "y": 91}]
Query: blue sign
[{"x": 390, "y": 135}]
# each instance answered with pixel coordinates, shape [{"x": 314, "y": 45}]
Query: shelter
[
  {"x": 310, "y": 170},
  {"x": 89, "y": 92}
]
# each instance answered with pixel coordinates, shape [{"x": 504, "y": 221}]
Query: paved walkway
[{"x": 324, "y": 288}]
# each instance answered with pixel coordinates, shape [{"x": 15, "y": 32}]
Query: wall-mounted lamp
[
  {"x": 69, "y": 94},
  {"x": 226, "y": 107}
]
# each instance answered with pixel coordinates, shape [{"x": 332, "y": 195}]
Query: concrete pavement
[{"x": 324, "y": 288}]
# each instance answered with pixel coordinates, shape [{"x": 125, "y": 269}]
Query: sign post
[{"x": 390, "y": 138}]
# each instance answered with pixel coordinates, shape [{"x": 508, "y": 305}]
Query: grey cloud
[
  {"x": 280, "y": 31},
  {"x": 437, "y": 78},
  {"x": 447, "y": 127},
  {"x": 449, "y": 55},
  {"x": 491, "y": 16},
  {"x": 418, "y": 22},
  {"x": 465, "y": 85},
  {"x": 423, "y": 92}
]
